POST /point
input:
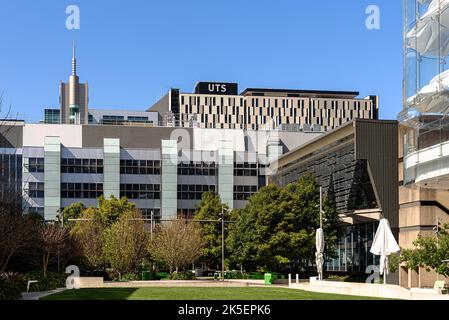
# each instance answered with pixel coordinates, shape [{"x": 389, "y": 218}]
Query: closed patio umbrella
[
  {"x": 384, "y": 244},
  {"x": 319, "y": 258}
]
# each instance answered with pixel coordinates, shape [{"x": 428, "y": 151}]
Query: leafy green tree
[
  {"x": 210, "y": 208},
  {"x": 88, "y": 234},
  {"x": 276, "y": 230},
  {"x": 429, "y": 253},
  {"x": 73, "y": 211},
  {"x": 125, "y": 242},
  {"x": 89, "y": 231},
  {"x": 111, "y": 209}
]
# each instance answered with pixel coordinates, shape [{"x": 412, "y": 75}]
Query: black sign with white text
[{"x": 216, "y": 88}]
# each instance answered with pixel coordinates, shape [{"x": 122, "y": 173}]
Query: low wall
[
  {"x": 89, "y": 282},
  {"x": 367, "y": 289}
]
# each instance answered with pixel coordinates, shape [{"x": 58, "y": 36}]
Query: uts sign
[{"x": 216, "y": 88}]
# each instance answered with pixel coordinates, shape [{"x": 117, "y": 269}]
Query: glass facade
[
  {"x": 345, "y": 181},
  {"x": 426, "y": 91},
  {"x": 352, "y": 250},
  {"x": 52, "y": 116},
  {"x": 10, "y": 174}
]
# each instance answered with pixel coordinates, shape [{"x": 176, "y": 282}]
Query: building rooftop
[{"x": 299, "y": 93}]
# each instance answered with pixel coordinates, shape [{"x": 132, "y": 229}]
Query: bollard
[
  {"x": 297, "y": 278},
  {"x": 289, "y": 280}
]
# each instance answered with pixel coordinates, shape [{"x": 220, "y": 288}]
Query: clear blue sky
[{"x": 131, "y": 52}]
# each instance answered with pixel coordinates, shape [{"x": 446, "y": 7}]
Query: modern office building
[
  {"x": 424, "y": 132},
  {"x": 74, "y": 98},
  {"x": 356, "y": 164},
  {"x": 163, "y": 170},
  {"x": 219, "y": 105}
]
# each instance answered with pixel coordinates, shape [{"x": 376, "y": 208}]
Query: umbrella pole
[{"x": 385, "y": 277}]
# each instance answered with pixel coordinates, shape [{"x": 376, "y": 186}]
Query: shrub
[
  {"x": 131, "y": 276},
  {"x": 52, "y": 281},
  {"x": 236, "y": 275},
  {"x": 161, "y": 275},
  {"x": 185, "y": 275},
  {"x": 11, "y": 286},
  {"x": 338, "y": 278}
]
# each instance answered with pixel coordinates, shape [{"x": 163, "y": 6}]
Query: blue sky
[{"x": 131, "y": 52}]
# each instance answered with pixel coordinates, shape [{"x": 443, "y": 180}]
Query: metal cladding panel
[
  {"x": 135, "y": 137},
  {"x": 11, "y": 136},
  {"x": 376, "y": 141}
]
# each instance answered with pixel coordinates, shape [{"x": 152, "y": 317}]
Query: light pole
[
  {"x": 151, "y": 225},
  {"x": 436, "y": 228},
  {"x": 222, "y": 243}
]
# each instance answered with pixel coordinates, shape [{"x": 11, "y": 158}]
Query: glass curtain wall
[{"x": 426, "y": 78}]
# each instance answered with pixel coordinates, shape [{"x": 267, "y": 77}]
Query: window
[
  {"x": 71, "y": 165},
  {"x": 36, "y": 164},
  {"x": 81, "y": 190},
  {"x": 36, "y": 189},
  {"x": 140, "y": 191},
  {"x": 146, "y": 213},
  {"x": 197, "y": 169},
  {"x": 245, "y": 169},
  {"x": 244, "y": 192},
  {"x": 108, "y": 119},
  {"x": 138, "y": 119},
  {"x": 193, "y": 191},
  {"x": 146, "y": 167}
]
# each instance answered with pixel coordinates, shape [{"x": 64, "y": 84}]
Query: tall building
[
  {"x": 74, "y": 98},
  {"x": 218, "y": 105},
  {"x": 424, "y": 132}
]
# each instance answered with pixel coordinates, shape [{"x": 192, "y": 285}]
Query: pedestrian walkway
[{"x": 39, "y": 294}]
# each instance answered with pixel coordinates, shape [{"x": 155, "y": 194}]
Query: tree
[
  {"x": 111, "y": 209},
  {"x": 176, "y": 243},
  {"x": 88, "y": 233},
  {"x": 429, "y": 252},
  {"x": 125, "y": 242},
  {"x": 73, "y": 211},
  {"x": 276, "y": 230},
  {"x": 16, "y": 230},
  {"x": 210, "y": 208},
  {"x": 50, "y": 241}
]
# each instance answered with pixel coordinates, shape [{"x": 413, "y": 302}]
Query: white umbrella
[
  {"x": 384, "y": 244},
  {"x": 319, "y": 258}
]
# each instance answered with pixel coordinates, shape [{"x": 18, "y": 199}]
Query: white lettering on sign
[{"x": 216, "y": 87}]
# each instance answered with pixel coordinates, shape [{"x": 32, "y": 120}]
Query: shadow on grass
[{"x": 93, "y": 294}]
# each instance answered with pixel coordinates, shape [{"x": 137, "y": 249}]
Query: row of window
[
  {"x": 193, "y": 191},
  {"x": 81, "y": 190},
  {"x": 140, "y": 191},
  {"x": 71, "y": 165},
  {"x": 197, "y": 169},
  {"x": 146, "y": 167}
]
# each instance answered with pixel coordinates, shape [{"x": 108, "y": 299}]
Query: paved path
[{"x": 39, "y": 294}]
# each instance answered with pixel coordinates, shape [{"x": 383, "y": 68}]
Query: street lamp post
[{"x": 222, "y": 243}]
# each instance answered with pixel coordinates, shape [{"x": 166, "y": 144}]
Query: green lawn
[{"x": 185, "y": 293}]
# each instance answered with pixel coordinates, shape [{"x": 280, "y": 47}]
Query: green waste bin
[
  {"x": 269, "y": 278},
  {"x": 147, "y": 275}
]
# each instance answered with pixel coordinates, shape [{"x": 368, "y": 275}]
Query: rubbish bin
[
  {"x": 147, "y": 275},
  {"x": 269, "y": 278}
]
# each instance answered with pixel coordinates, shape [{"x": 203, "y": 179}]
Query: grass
[{"x": 186, "y": 293}]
